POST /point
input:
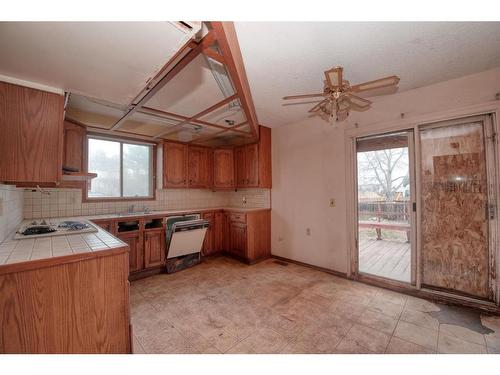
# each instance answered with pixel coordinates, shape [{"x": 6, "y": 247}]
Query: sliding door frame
[
  {"x": 410, "y": 136},
  {"x": 415, "y": 123}
]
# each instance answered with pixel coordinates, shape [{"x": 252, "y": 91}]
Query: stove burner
[
  {"x": 73, "y": 225},
  {"x": 38, "y": 229}
]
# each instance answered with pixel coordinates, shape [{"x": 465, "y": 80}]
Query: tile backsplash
[
  {"x": 11, "y": 209},
  {"x": 68, "y": 202}
]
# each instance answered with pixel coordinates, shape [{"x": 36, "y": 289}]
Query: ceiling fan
[{"x": 339, "y": 95}]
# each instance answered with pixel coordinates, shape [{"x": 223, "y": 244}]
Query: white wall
[
  {"x": 309, "y": 166},
  {"x": 11, "y": 209}
]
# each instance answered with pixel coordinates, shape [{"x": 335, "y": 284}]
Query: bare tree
[{"x": 388, "y": 169}]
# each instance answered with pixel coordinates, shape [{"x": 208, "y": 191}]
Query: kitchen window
[{"x": 124, "y": 169}]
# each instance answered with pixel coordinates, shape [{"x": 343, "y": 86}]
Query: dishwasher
[{"x": 184, "y": 238}]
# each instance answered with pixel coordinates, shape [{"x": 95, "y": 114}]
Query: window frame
[{"x": 152, "y": 168}]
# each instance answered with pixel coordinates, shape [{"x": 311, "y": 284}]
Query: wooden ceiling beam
[
  {"x": 227, "y": 100},
  {"x": 230, "y": 49},
  {"x": 209, "y": 52},
  {"x": 206, "y": 42}
]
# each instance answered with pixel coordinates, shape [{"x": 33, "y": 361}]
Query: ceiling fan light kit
[{"x": 339, "y": 96}]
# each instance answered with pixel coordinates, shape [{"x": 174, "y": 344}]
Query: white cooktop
[{"x": 55, "y": 224}]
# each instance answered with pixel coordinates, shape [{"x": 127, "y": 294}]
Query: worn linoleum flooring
[{"x": 223, "y": 306}]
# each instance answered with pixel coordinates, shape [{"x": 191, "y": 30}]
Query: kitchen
[
  {"x": 160, "y": 191},
  {"x": 79, "y": 213}
]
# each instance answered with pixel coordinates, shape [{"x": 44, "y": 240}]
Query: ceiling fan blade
[
  {"x": 317, "y": 106},
  {"x": 376, "y": 84},
  {"x": 334, "y": 76},
  {"x": 302, "y": 96},
  {"x": 359, "y": 102}
]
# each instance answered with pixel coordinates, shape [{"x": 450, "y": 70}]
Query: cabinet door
[
  {"x": 134, "y": 242},
  {"x": 198, "y": 165},
  {"x": 74, "y": 140},
  {"x": 154, "y": 248},
  {"x": 240, "y": 166},
  {"x": 224, "y": 169},
  {"x": 208, "y": 244},
  {"x": 219, "y": 231},
  {"x": 31, "y": 140},
  {"x": 238, "y": 239},
  {"x": 252, "y": 165},
  {"x": 175, "y": 165}
]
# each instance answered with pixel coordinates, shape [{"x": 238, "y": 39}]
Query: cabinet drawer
[{"x": 237, "y": 217}]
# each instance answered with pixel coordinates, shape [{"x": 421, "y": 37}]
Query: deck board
[{"x": 389, "y": 259}]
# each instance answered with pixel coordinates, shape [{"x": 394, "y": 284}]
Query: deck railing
[{"x": 389, "y": 215}]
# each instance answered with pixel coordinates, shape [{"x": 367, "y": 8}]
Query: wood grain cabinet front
[
  {"x": 224, "y": 169},
  {"x": 31, "y": 127},
  {"x": 154, "y": 248},
  {"x": 175, "y": 165},
  {"x": 253, "y": 162},
  {"x": 248, "y": 235},
  {"x": 238, "y": 239},
  {"x": 134, "y": 240},
  {"x": 199, "y": 167}
]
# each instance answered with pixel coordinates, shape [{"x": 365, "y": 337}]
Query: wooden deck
[{"x": 390, "y": 259}]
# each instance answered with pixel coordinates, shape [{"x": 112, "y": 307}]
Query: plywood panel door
[
  {"x": 175, "y": 165},
  {"x": 224, "y": 169},
  {"x": 454, "y": 198}
]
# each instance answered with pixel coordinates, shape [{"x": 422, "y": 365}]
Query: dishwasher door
[{"x": 187, "y": 238}]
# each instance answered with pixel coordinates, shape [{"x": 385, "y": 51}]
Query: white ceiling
[
  {"x": 104, "y": 60},
  {"x": 287, "y": 58}
]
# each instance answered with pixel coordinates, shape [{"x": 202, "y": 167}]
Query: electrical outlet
[
  {"x": 308, "y": 231},
  {"x": 244, "y": 200},
  {"x": 332, "y": 202}
]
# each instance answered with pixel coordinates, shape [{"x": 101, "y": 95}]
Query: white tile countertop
[{"x": 31, "y": 249}]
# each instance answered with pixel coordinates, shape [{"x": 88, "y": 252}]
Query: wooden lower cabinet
[
  {"x": 248, "y": 234},
  {"x": 154, "y": 248},
  {"x": 134, "y": 240},
  {"x": 238, "y": 239},
  {"x": 73, "y": 304},
  {"x": 147, "y": 247}
]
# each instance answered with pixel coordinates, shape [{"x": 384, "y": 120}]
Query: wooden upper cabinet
[
  {"x": 31, "y": 141},
  {"x": 175, "y": 165},
  {"x": 74, "y": 144},
  {"x": 265, "y": 168},
  {"x": 198, "y": 167},
  {"x": 240, "y": 166},
  {"x": 224, "y": 169},
  {"x": 252, "y": 165},
  {"x": 253, "y": 162}
]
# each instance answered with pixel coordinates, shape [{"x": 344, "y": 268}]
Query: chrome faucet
[{"x": 146, "y": 209}]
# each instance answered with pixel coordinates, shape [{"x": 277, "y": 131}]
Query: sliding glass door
[
  {"x": 444, "y": 174},
  {"x": 385, "y": 206},
  {"x": 455, "y": 208}
]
